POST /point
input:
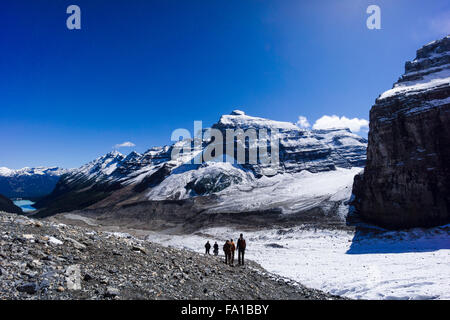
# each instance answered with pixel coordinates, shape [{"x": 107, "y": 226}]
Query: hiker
[
  {"x": 216, "y": 248},
  {"x": 207, "y": 247},
  {"x": 232, "y": 250},
  {"x": 241, "y": 249},
  {"x": 226, "y": 251}
]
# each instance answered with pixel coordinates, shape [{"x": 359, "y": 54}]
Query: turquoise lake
[{"x": 26, "y": 205}]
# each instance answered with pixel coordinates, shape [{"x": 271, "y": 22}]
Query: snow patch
[
  {"x": 428, "y": 82},
  {"x": 412, "y": 264},
  {"x": 241, "y": 120}
]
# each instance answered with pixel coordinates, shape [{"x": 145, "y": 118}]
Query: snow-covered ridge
[
  {"x": 301, "y": 149},
  {"x": 238, "y": 119},
  {"x": 305, "y": 157},
  {"x": 29, "y": 182},
  {"x": 430, "y": 70},
  {"x": 116, "y": 167},
  {"x": 428, "y": 82},
  {"x": 104, "y": 165},
  {"x": 52, "y": 171}
]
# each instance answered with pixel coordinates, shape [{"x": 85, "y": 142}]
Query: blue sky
[{"x": 139, "y": 69}]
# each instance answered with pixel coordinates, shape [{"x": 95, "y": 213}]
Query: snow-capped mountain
[
  {"x": 41, "y": 171},
  {"x": 302, "y": 149},
  {"x": 307, "y": 158},
  {"x": 29, "y": 182}
]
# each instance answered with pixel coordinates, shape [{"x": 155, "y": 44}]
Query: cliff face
[{"x": 406, "y": 181}]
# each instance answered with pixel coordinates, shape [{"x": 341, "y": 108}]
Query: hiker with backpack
[
  {"x": 232, "y": 250},
  {"x": 227, "y": 251}
]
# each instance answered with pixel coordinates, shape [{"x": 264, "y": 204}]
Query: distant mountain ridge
[{"x": 29, "y": 182}]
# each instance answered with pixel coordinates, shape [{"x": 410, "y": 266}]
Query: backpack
[{"x": 241, "y": 244}]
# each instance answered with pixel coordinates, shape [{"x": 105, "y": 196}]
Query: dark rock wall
[{"x": 406, "y": 181}]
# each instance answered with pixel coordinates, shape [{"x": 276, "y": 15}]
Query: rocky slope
[
  {"x": 152, "y": 177},
  {"x": 45, "y": 260},
  {"x": 406, "y": 181},
  {"x": 29, "y": 183},
  {"x": 8, "y": 206}
]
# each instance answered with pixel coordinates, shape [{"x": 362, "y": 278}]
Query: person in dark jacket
[
  {"x": 207, "y": 247},
  {"x": 232, "y": 250},
  {"x": 241, "y": 245},
  {"x": 216, "y": 248},
  {"x": 227, "y": 251}
]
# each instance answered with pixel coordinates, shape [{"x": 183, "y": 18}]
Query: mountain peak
[
  {"x": 132, "y": 156},
  {"x": 6, "y": 171},
  {"x": 428, "y": 71},
  {"x": 113, "y": 153},
  {"x": 238, "y": 119},
  {"x": 237, "y": 113},
  {"x": 434, "y": 48},
  {"x": 133, "y": 153}
]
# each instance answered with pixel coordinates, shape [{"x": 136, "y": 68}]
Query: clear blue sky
[{"x": 139, "y": 69}]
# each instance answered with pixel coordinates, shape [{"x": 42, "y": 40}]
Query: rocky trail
[{"x": 49, "y": 260}]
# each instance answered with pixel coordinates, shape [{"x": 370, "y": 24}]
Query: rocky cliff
[{"x": 406, "y": 180}]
